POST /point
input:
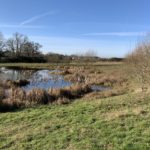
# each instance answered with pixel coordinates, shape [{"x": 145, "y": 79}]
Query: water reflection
[
  {"x": 43, "y": 79},
  {"x": 12, "y": 74}
]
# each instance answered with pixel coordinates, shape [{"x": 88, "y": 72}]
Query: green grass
[{"x": 116, "y": 123}]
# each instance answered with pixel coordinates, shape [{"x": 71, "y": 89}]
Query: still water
[{"x": 43, "y": 79}]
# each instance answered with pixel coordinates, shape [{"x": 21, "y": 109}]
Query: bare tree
[
  {"x": 2, "y": 44},
  {"x": 31, "y": 49},
  {"x": 11, "y": 46},
  {"x": 16, "y": 43},
  {"x": 27, "y": 49},
  {"x": 37, "y": 48}
]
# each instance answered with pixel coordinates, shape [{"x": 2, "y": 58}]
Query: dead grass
[
  {"x": 74, "y": 91},
  {"x": 18, "y": 93},
  {"x": 113, "y": 77},
  {"x": 64, "y": 72},
  {"x": 105, "y": 94},
  {"x": 37, "y": 96},
  {"x": 63, "y": 100},
  {"x": 124, "y": 113},
  {"x": 18, "y": 98}
]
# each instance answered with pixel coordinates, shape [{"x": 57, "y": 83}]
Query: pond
[{"x": 43, "y": 79}]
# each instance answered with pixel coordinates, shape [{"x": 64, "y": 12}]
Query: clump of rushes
[
  {"x": 21, "y": 99},
  {"x": 38, "y": 96},
  {"x": 8, "y": 105},
  {"x": 63, "y": 100},
  {"x": 18, "y": 93},
  {"x": 59, "y": 93},
  {"x": 74, "y": 91},
  {"x": 79, "y": 90},
  {"x": 11, "y": 104}
]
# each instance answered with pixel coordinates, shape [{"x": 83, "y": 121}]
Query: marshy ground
[{"x": 114, "y": 119}]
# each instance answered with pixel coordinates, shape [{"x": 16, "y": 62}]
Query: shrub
[{"x": 139, "y": 64}]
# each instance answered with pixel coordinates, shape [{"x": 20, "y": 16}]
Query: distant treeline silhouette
[{"x": 19, "y": 48}]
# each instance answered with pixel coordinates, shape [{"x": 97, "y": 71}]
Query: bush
[{"x": 139, "y": 64}]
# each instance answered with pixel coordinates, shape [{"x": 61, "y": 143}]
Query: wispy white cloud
[
  {"x": 20, "y": 26},
  {"x": 32, "y": 19},
  {"x": 116, "y": 34},
  {"x": 25, "y": 23}
]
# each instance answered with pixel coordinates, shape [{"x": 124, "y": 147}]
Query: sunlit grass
[{"x": 120, "y": 122}]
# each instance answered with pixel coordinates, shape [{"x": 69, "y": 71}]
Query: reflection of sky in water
[
  {"x": 11, "y": 74},
  {"x": 38, "y": 79},
  {"x": 43, "y": 79}
]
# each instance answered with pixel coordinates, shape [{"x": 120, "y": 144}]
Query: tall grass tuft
[
  {"x": 18, "y": 93},
  {"x": 38, "y": 96}
]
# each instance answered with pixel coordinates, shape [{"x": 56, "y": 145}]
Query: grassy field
[
  {"x": 103, "y": 65},
  {"x": 121, "y": 122},
  {"x": 92, "y": 123}
]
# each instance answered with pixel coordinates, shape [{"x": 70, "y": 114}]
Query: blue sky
[{"x": 110, "y": 27}]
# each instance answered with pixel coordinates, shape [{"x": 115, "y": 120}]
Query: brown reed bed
[
  {"x": 82, "y": 76},
  {"x": 105, "y": 94},
  {"x": 113, "y": 77},
  {"x": 18, "y": 98}
]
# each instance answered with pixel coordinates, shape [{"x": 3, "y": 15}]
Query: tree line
[{"x": 19, "y": 48}]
